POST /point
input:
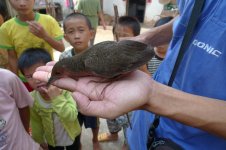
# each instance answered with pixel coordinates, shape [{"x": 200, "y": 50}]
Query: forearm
[
  {"x": 100, "y": 14},
  {"x": 25, "y": 117},
  {"x": 57, "y": 45},
  {"x": 12, "y": 59},
  {"x": 196, "y": 111},
  {"x": 158, "y": 35}
]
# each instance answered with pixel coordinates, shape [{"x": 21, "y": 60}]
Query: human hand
[
  {"x": 44, "y": 146},
  {"x": 51, "y": 92},
  {"x": 37, "y": 29},
  {"x": 119, "y": 97}
]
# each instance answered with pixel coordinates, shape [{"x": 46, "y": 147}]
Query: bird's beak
[{"x": 51, "y": 80}]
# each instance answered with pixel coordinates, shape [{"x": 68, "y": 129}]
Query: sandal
[{"x": 105, "y": 137}]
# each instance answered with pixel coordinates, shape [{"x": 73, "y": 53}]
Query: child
[
  {"x": 78, "y": 32},
  {"x": 29, "y": 29},
  {"x": 127, "y": 27},
  {"x": 53, "y": 114},
  {"x": 14, "y": 114},
  {"x": 160, "y": 51},
  {"x": 92, "y": 10},
  {"x": 3, "y": 17}
]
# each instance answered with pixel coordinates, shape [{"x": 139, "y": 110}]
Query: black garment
[{"x": 75, "y": 146}]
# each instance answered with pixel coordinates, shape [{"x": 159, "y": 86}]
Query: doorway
[
  {"x": 136, "y": 8},
  {"x": 4, "y": 10}
]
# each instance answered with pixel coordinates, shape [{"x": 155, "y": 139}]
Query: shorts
[
  {"x": 89, "y": 122},
  {"x": 75, "y": 146}
]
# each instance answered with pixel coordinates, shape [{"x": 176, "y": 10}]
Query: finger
[
  {"x": 93, "y": 108},
  {"x": 66, "y": 83},
  {"x": 33, "y": 30},
  {"x": 91, "y": 86},
  {"x": 44, "y": 89},
  {"x": 29, "y": 23},
  {"x": 41, "y": 75},
  {"x": 34, "y": 24},
  {"x": 51, "y": 63},
  {"x": 31, "y": 26},
  {"x": 82, "y": 85},
  {"x": 45, "y": 68}
]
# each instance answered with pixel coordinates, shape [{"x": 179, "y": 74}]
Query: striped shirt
[
  {"x": 67, "y": 53},
  {"x": 154, "y": 63}
]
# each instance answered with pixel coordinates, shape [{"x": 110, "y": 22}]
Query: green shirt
[
  {"x": 15, "y": 35},
  {"x": 90, "y": 8},
  {"x": 42, "y": 123}
]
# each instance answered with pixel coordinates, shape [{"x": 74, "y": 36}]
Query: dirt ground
[{"x": 102, "y": 35}]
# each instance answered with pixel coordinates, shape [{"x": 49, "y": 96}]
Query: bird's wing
[
  {"x": 113, "y": 59},
  {"x": 134, "y": 57},
  {"x": 98, "y": 58},
  {"x": 135, "y": 53}
]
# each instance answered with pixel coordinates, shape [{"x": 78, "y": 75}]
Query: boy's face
[
  {"x": 23, "y": 7},
  {"x": 78, "y": 34},
  {"x": 35, "y": 84},
  {"x": 124, "y": 31}
]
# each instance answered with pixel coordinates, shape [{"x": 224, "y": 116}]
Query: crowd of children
[
  {"x": 29, "y": 29},
  {"x": 50, "y": 112}
]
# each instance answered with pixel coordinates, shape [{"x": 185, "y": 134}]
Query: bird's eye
[{"x": 58, "y": 73}]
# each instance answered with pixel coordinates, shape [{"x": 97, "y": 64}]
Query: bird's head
[{"x": 59, "y": 70}]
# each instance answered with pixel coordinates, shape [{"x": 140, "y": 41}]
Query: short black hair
[
  {"x": 130, "y": 22},
  {"x": 32, "y": 56},
  {"x": 162, "y": 21},
  {"x": 77, "y": 15}
]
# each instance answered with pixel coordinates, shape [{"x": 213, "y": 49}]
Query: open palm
[{"x": 107, "y": 100}]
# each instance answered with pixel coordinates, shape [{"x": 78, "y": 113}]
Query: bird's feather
[
  {"x": 117, "y": 58},
  {"x": 107, "y": 59}
]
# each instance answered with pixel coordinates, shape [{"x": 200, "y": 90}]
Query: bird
[{"x": 107, "y": 59}]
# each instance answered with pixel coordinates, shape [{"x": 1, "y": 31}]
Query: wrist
[
  {"x": 45, "y": 37},
  {"x": 151, "y": 96},
  {"x": 164, "y": 100},
  {"x": 157, "y": 102}
]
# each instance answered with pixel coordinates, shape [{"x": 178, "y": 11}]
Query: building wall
[
  {"x": 64, "y": 8},
  {"x": 108, "y": 7},
  {"x": 152, "y": 11}
]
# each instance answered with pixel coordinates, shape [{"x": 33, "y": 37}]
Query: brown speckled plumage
[{"x": 107, "y": 59}]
